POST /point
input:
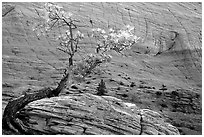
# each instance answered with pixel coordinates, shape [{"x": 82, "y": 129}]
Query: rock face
[
  {"x": 81, "y": 114},
  {"x": 34, "y": 60},
  {"x": 175, "y": 29}
]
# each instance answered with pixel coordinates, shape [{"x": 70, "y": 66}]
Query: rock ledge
[{"x": 90, "y": 114}]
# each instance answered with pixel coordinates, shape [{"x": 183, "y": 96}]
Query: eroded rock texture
[
  {"x": 169, "y": 53},
  {"x": 90, "y": 114}
]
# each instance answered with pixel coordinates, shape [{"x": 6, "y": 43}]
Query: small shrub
[
  {"x": 118, "y": 88},
  {"x": 124, "y": 95},
  {"x": 87, "y": 65},
  {"x": 74, "y": 87},
  {"x": 111, "y": 80},
  {"x": 101, "y": 88},
  {"x": 197, "y": 96},
  {"x": 88, "y": 82},
  {"x": 132, "y": 84},
  {"x": 121, "y": 83},
  {"x": 164, "y": 105},
  {"x": 174, "y": 93},
  {"x": 158, "y": 93},
  {"x": 163, "y": 87}
]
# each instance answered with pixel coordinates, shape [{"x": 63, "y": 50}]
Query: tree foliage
[
  {"x": 115, "y": 39},
  {"x": 57, "y": 19},
  {"x": 69, "y": 35}
]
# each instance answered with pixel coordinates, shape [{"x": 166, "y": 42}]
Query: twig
[{"x": 11, "y": 8}]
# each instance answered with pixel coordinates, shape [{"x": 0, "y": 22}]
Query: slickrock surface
[
  {"x": 90, "y": 114},
  {"x": 169, "y": 83}
]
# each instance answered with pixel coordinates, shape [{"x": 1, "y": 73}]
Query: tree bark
[
  {"x": 10, "y": 122},
  {"x": 71, "y": 61}
]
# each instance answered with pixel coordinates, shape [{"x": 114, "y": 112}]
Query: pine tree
[{"x": 101, "y": 88}]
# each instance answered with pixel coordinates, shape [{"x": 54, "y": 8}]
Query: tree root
[{"x": 10, "y": 122}]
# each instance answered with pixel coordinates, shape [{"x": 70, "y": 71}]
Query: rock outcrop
[
  {"x": 81, "y": 114},
  {"x": 172, "y": 29}
]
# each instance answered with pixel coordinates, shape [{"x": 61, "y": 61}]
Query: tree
[
  {"x": 55, "y": 17},
  {"x": 101, "y": 89}
]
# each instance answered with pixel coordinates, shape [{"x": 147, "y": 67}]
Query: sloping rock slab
[{"x": 90, "y": 114}]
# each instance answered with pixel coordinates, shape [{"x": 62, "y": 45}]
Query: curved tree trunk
[{"x": 10, "y": 122}]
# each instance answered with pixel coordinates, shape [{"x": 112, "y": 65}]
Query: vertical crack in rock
[{"x": 141, "y": 124}]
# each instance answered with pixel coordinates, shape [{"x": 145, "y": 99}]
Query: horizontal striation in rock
[{"x": 91, "y": 114}]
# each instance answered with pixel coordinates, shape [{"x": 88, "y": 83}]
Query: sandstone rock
[
  {"x": 31, "y": 60},
  {"x": 91, "y": 114}
]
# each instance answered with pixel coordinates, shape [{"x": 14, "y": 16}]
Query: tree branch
[{"x": 54, "y": 23}]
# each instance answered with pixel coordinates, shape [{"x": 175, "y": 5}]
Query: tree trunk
[
  {"x": 70, "y": 61},
  {"x": 10, "y": 122}
]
